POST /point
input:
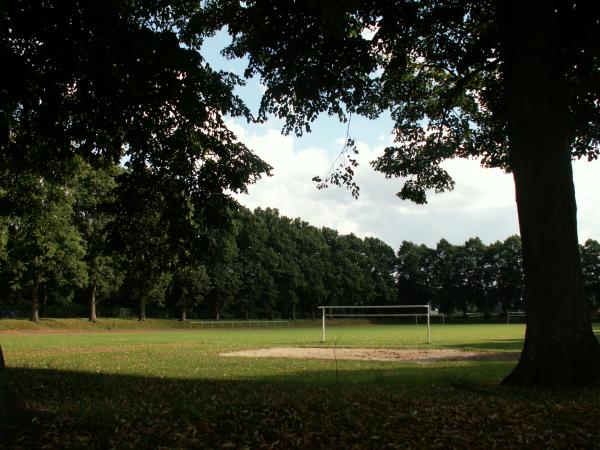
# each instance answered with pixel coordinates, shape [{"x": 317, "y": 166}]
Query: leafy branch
[{"x": 342, "y": 174}]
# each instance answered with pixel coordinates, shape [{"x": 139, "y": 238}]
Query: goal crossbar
[{"x": 327, "y": 311}]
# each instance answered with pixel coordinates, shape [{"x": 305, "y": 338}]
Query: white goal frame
[{"x": 326, "y": 310}]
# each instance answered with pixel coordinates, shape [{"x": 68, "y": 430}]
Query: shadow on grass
[
  {"x": 305, "y": 409},
  {"x": 515, "y": 345}
]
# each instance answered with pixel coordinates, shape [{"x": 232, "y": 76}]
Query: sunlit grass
[
  {"x": 84, "y": 324},
  {"x": 153, "y": 387},
  {"x": 194, "y": 354}
]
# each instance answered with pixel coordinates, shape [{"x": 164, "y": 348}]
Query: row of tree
[
  {"x": 510, "y": 84},
  {"x": 90, "y": 240},
  {"x": 477, "y": 277}
]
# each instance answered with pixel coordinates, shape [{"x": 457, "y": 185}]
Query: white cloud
[
  {"x": 482, "y": 203},
  {"x": 587, "y": 187}
]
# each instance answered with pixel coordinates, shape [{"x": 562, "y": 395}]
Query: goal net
[{"x": 416, "y": 311}]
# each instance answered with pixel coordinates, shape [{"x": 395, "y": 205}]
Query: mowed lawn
[{"x": 171, "y": 389}]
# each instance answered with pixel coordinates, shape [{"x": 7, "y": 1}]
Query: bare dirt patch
[{"x": 373, "y": 354}]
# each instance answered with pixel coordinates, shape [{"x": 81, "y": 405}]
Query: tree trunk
[
  {"x": 183, "y": 315},
  {"x": 45, "y": 296},
  {"x": 4, "y": 409},
  {"x": 486, "y": 311},
  {"x": 35, "y": 306},
  {"x": 142, "y": 311},
  {"x": 5, "y": 406},
  {"x": 293, "y": 311},
  {"x": 10, "y": 411},
  {"x": 92, "y": 302},
  {"x": 560, "y": 347}
]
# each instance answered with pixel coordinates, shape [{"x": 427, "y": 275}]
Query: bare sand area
[{"x": 373, "y": 354}]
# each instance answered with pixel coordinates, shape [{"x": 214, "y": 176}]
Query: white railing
[
  {"x": 514, "y": 314},
  {"x": 239, "y": 323}
]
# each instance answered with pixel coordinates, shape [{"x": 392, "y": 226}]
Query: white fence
[
  {"x": 239, "y": 323},
  {"x": 514, "y": 314}
]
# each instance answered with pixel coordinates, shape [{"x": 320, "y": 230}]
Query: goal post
[{"x": 340, "y": 311}]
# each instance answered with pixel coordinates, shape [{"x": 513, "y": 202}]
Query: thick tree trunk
[
  {"x": 560, "y": 347},
  {"x": 35, "y": 306},
  {"x": 10, "y": 412},
  {"x": 92, "y": 302},
  {"x": 3, "y": 388},
  {"x": 5, "y": 407},
  {"x": 183, "y": 315}
]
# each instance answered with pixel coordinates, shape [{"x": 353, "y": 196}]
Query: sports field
[{"x": 173, "y": 389}]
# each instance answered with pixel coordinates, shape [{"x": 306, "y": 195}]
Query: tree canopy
[
  {"x": 104, "y": 85},
  {"x": 439, "y": 68},
  {"x": 514, "y": 85},
  {"x": 264, "y": 266},
  {"x": 115, "y": 82}
]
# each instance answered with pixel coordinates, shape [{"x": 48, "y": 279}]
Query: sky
[{"x": 482, "y": 203}]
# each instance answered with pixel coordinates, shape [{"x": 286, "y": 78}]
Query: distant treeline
[{"x": 101, "y": 241}]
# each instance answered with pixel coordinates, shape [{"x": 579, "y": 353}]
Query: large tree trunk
[
  {"x": 560, "y": 347},
  {"x": 183, "y": 315},
  {"x": 10, "y": 412},
  {"x": 3, "y": 388},
  {"x": 6, "y": 406},
  {"x": 35, "y": 305},
  {"x": 92, "y": 302}
]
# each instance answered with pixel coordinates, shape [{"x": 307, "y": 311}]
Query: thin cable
[{"x": 345, "y": 144}]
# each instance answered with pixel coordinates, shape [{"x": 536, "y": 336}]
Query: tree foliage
[
  {"x": 513, "y": 85},
  {"x": 119, "y": 80},
  {"x": 43, "y": 243},
  {"x": 439, "y": 67},
  {"x": 590, "y": 257},
  {"x": 118, "y": 83},
  {"x": 265, "y": 266}
]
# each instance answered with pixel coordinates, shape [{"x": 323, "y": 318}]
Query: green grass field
[{"x": 158, "y": 388}]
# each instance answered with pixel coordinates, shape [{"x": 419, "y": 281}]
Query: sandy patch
[{"x": 373, "y": 354}]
